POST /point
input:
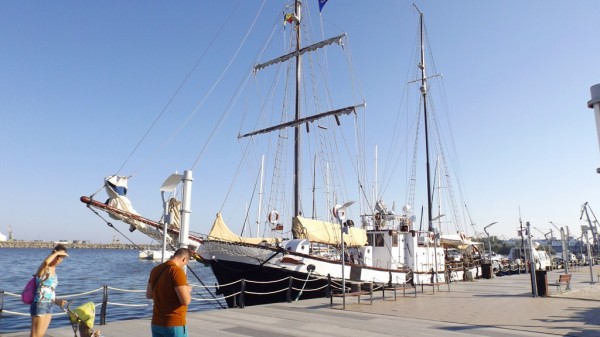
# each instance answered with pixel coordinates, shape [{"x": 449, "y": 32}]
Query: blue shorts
[
  {"x": 169, "y": 331},
  {"x": 40, "y": 308}
]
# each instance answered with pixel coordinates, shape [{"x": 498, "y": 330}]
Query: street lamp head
[
  {"x": 340, "y": 211},
  {"x": 348, "y": 204},
  {"x": 486, "y": 227}
]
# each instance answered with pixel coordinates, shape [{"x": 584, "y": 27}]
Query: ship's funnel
[{"x": 594, "y": 103}]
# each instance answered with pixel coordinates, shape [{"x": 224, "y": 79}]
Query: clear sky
[{"x": 82, "y": 81}]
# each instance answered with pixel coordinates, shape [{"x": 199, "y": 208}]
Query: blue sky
[{"x": 81, "y": 83}]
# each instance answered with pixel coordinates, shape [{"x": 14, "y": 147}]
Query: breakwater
[{"x": 79, "y": 245}]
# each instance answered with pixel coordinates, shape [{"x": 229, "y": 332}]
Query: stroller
[{"x": 82, "y": 319}]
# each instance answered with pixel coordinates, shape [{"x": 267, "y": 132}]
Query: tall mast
[
  {"x": 260, "y": 194},
  {"x": 424, "y": 93},
  {"x": 297, "y": 134},
  {"x": 297, "y": 122}
]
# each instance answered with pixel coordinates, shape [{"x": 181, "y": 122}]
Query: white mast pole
[
  {"x": 297, "y": 134},
  {"x": 439, "y": 195},
  {"x": 327, "y": 194},
  {"x": 260, "y": 194},
  {"x": 185, "y": 209},
  {"x": 376, "y": 176}
]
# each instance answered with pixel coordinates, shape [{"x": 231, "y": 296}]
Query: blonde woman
[{"x": 46, "y": 282}]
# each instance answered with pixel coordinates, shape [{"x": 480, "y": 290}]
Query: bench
[
  {"x": 434, "y": 285},
  {"x": 562, "y": 279},
  {"x": 355, "y": 291},
  {"x": 396, "y": 287}
]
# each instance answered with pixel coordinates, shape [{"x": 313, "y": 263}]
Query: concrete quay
[{"x": 501, "y": 306}]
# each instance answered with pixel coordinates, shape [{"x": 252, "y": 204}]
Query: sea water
[{"x": 88, "y": 270}]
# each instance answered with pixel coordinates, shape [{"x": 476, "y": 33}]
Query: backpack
[{"x": 28, "y": 292}]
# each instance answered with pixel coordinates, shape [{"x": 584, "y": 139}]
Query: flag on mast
[{"x": 322, "y": 4}]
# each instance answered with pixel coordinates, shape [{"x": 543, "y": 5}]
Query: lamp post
[
  {"x": 546, "y": 237},
  {"x": 584, "y": 230},
  {"x": 169, "y": 186},
  {"x": 594, "y": 103},
  {"x": 532, "y": 267},
  {"x": 340, "y": 215},
  {"x": 488, "y": 240},
  {"x": 564, "y": 245}
]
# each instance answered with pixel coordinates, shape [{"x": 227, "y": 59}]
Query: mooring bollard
[{"x": 104, "y": 304}]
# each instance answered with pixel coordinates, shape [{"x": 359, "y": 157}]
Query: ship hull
[{"x": 254, "y": 274}]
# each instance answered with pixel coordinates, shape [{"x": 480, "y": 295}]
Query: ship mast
[
  {"x": 424, "y": 94},
  {"x": 297, "y": 134},
  {"x": 297, "y": 122}
]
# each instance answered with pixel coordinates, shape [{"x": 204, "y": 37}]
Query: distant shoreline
[{"x": 79, "y": 245}]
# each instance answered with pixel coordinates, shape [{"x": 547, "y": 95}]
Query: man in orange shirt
[{"x": 169, "y": 289}]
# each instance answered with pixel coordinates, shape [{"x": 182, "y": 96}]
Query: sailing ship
[
  {"x": 385, "y": 248},
  {"x": 302, "y": 256}
]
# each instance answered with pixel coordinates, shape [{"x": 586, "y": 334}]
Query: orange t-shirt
[{"x": 167, "y": 310}]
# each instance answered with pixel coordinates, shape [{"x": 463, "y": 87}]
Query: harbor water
[{"x": 87, "y": 271}]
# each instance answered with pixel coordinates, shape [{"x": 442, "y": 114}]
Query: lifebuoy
[
  {"x": 273, "y": 217},
  {"x": 338, "y": 213}
]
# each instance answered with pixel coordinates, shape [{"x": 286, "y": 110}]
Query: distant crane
[{"x": 10, "y": 233}]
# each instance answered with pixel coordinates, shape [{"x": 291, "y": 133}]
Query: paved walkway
[{"x": 502, "y": 306}]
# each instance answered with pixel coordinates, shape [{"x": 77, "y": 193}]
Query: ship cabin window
[
  {"x": 376, "y": 240},
  {"x": 394, "y": 240},
  {"x": 379, "y": 241}
]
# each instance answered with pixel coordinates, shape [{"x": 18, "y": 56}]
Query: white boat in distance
[{"x": 155, "y": 255}]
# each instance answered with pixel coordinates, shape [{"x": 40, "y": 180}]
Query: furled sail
[
  {"x": 220, "y": 231},
  {"x": 313, "y": 47},
  {"x": 328, "y": 233},
  {"x": 459, "y": 240},
  {"x": 116, "y": 188}
]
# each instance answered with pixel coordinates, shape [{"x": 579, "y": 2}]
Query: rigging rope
[
  {"x": 140, "y": 248},
  {"x": 223, "y": 117},
  {"x": 187, "y": 77}
]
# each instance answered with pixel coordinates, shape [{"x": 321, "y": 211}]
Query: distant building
[{"x": 2, "y": 237}]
